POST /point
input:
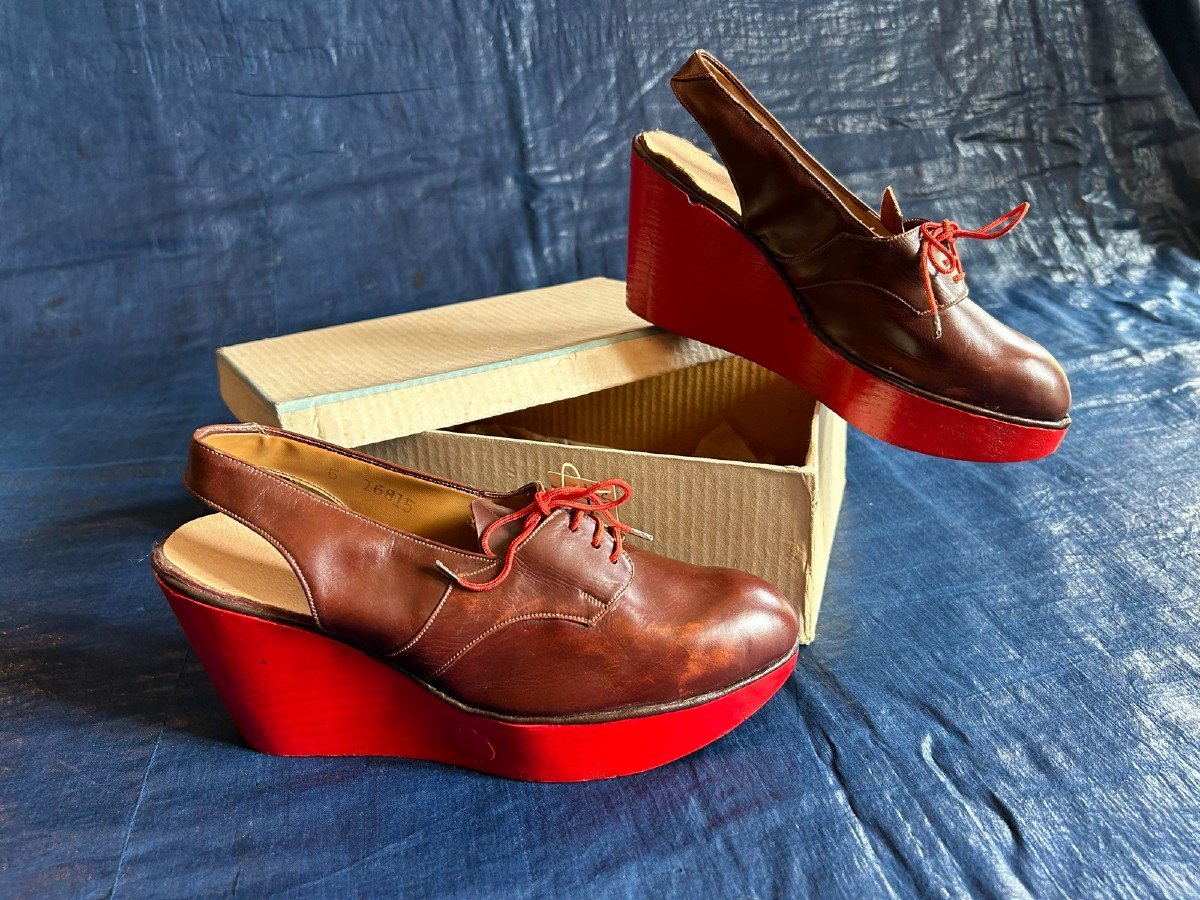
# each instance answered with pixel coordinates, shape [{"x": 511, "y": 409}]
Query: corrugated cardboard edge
[
  {"x": 826, "y": 458},
  {"x": 243, "y": 399},
  {"x": 376, "y": 415}
]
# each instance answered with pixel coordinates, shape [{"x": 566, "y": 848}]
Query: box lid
[{"x": 382, "y": 378}]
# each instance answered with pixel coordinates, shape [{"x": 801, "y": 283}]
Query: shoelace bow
[
  {"x": 589, "y": 500},
  {"x": 939, "y": 238}
]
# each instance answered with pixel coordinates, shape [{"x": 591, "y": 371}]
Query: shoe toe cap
[
  {"x": 746, "y": 627},
  {"x": 1043, "y": 388}
]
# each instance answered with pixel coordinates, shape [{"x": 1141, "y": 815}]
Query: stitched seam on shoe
[
  {"x": 437, "y": 609},
  {"x": 619, "y": 594},
  {"x": 368, "y": 460},
  {"x": 740, "y": 107},
  {"x": 587, "y": 594},
  {"x": 605, "y": 609},
  {"x": 529, "y": 617},
  {"x": 592, "y": 599},
  {"x": 882, "y": 290},
  {"x": 308, "y": 594},
  {"x": 796, "y": 257},
  {"x": 873, "y": 239},
  {"x": 504, "y": 624},
  {"x": 424, "y": 628},
  {"x": 441, "y": 548}
]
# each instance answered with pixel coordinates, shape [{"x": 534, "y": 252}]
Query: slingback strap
[
  {"x": 338, "y": 554},
  {"x": 779, "y": 184}
]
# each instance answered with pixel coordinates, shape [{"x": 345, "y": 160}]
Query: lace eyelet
[{"x": 596, "y": 502}]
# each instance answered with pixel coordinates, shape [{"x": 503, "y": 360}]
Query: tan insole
[
  {"x": 704, "y": 173},
  {"x": 405, "y": 502},
  {"x": 710, "y": 178},
  {"x": 225, "y": 556}
]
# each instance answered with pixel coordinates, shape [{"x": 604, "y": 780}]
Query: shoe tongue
[
  {"x": 486, "y": 510},
  {"x": 889, "y": 212}
]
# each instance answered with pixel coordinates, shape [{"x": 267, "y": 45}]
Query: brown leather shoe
[
  {"x": 771, "y": 257},
  {"x": 343, "y": 605}
]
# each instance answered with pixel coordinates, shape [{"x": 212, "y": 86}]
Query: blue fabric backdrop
[{"x": 1004, "y": 697}]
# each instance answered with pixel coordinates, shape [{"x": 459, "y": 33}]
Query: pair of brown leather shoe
[{"x": 343, "y": 605}]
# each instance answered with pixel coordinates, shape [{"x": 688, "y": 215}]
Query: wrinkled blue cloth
[{"x": 1004, "y": 694}]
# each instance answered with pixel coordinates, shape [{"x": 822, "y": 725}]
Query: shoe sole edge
[{"x": 293, "y": 692}]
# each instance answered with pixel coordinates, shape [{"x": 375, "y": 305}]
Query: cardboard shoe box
[{"x": 730, "y": 464}]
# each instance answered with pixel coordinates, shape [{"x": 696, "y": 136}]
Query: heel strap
[
  {"x": 338, "y": 555},
  {"x": 283, "y": 513},
  {"x": 789, "y": 201}
]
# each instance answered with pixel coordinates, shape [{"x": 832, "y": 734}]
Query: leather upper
[
  {"x": 859, "y": 275},
  {"x": 568, "y": 633}
]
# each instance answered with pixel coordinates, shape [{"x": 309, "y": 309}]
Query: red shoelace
[
  {"x": 938, "y": 249},
  {"x": 596, "y": 500}
]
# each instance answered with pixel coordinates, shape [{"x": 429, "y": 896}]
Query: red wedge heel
[
  {"x": 693, "y": 272},
  {"x": 292, "y": 692}
]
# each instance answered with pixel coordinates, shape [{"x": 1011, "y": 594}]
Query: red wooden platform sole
[
  {"x": 292, "y": 692},
  {"x": 694, "y": 273}
]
